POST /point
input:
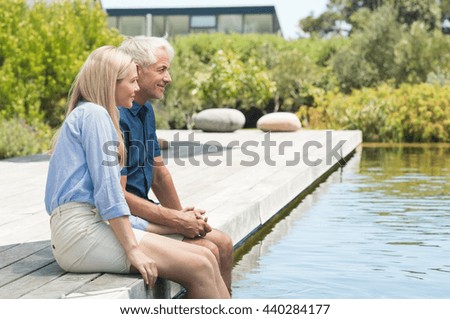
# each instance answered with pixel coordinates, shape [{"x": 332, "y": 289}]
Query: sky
[{"x": 290, "y": 12}]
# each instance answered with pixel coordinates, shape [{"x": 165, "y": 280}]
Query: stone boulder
[
  {"x": 219, "y": 120},
  {"x": 279, "y": 122}
]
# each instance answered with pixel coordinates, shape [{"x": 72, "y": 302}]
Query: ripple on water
[{"x": 380, "y": 230}]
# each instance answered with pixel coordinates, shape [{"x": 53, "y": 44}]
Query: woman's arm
[{"x": 140, "y": 261}]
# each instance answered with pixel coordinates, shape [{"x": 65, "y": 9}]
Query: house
[{"x": 152, "y": 18}]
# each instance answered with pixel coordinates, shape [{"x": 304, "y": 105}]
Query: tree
[
  {"x": 347, "y": 8},
  {"x": 445, "y": 9},
  {"x": 426, "y": 11},
  {"x": 322, "y": 25},
  {"x": 407, "y": 12},
  {"x": 368, "y": 59}
]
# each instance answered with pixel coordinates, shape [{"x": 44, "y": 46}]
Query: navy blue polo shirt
[{"x": 139, "y": 131}]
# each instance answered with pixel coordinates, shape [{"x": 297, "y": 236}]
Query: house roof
[
  {"x": 140, "y": 4},
  {"x": 115, "y": 7}
]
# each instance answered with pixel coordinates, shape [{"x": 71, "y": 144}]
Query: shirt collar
[{"x": 136, "y": 107}]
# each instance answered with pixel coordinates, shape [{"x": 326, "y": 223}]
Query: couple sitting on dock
[{"x": 101, "y": 217}]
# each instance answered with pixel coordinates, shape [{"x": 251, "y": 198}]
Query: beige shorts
[{"x": 83, "y": 242}]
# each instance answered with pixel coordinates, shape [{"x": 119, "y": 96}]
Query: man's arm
[
  {"x": 163, "y": 186},
  {"x": 164, "y": 189},
  {"x": 177, "y": 220}
]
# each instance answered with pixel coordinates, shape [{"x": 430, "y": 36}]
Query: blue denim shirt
[
  {"x": 84, "y": 165},
  {"x": 139, "y": 130}
]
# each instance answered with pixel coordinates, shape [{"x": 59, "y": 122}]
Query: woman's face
[{"x": 127, "y": 87}]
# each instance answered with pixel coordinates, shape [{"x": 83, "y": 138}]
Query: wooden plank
[
  {"x": 133, "y": 283},
  {"x": 6, "y": 247},
  {"x": 19, "y": 252},
  {"x": 27, "y": 233},
  {"x": 11, "y": 216},
  {"x": 30, "y": 282},
  {"x": 26, "y": 266},
  {"x": 61, "y": 286},
  {"x": 22, "y": 202},
  {"x": 27, "y": 183},
  {"x": 27, "y": 222},
  {"x": 109, "y": 281}
]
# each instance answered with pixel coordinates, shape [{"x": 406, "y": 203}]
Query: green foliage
[
  {"x": 411, "y": 113},
  {"x": 248, "y": 72},
  {"x": 426, "y": 11},
  {"x": 321, "y": 25},
  {"x": 42, "y": 49},
  {"x": 348, "y": 7},
  {"x": 229, "y": 82},
  {"x": 17, "y": 138},
  {"x": 384, "y": 50},
  {"x": 181, "y": 100},
  {"x": 406, "y": 12},
  {"x": 368, "y": 59},
  {"x": 359, "y": 19},
  {"x": 420, "y": 53}
]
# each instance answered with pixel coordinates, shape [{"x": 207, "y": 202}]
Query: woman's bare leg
[{"x": 192, "y": 266}]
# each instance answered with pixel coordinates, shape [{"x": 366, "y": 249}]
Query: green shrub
[
  {"x": 229, "y": 82},
  {"x": 383, "y": 50},
  {"x": 17, "y": 138},
  {"x": 421, "y": 53},
  {"x": 42, "y": 48},
  {"x": 368, "y": 58},
  {"x": 411, "y": 113},
  {"x": 247, "y": 71}
]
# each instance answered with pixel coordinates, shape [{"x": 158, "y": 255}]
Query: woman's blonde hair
[{"x": 96, "y": 82}]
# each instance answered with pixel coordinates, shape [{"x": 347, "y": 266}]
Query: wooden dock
[{"x": 241, "y": 179}]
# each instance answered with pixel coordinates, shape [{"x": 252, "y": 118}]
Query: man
[{"x": 145, "y": 168}]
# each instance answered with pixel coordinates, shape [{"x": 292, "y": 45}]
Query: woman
[{"x": 90, "y": 229}]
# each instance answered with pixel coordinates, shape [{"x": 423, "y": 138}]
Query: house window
[
  {"x": 230, "y": 23},
  {"x": 177, "y": 25},
  {"x": 158, "y": 26},
  {"x": 258, "y": 23},
  {"x": 203, "y": 22},
  {"x": 132, "y": 25}
]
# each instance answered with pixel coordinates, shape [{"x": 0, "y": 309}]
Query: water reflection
[{"x": 378, "y": 228}]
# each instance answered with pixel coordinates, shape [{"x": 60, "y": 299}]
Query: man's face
[{"x": 154, "y": 78}]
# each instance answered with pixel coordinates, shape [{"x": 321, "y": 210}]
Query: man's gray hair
[{"x": 144, "y": 49}]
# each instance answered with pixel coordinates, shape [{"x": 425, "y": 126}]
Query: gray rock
[{"x": 219, "y": 120}]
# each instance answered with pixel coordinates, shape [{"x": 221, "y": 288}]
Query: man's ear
[{"x": 138, "y": 69}]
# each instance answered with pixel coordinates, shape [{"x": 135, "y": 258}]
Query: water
[{"x": 377, "y": 228}]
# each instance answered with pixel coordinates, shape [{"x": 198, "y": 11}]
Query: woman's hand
[
  {"x": 144, "y": 265},
  {"x": 138, "y": 259}
]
